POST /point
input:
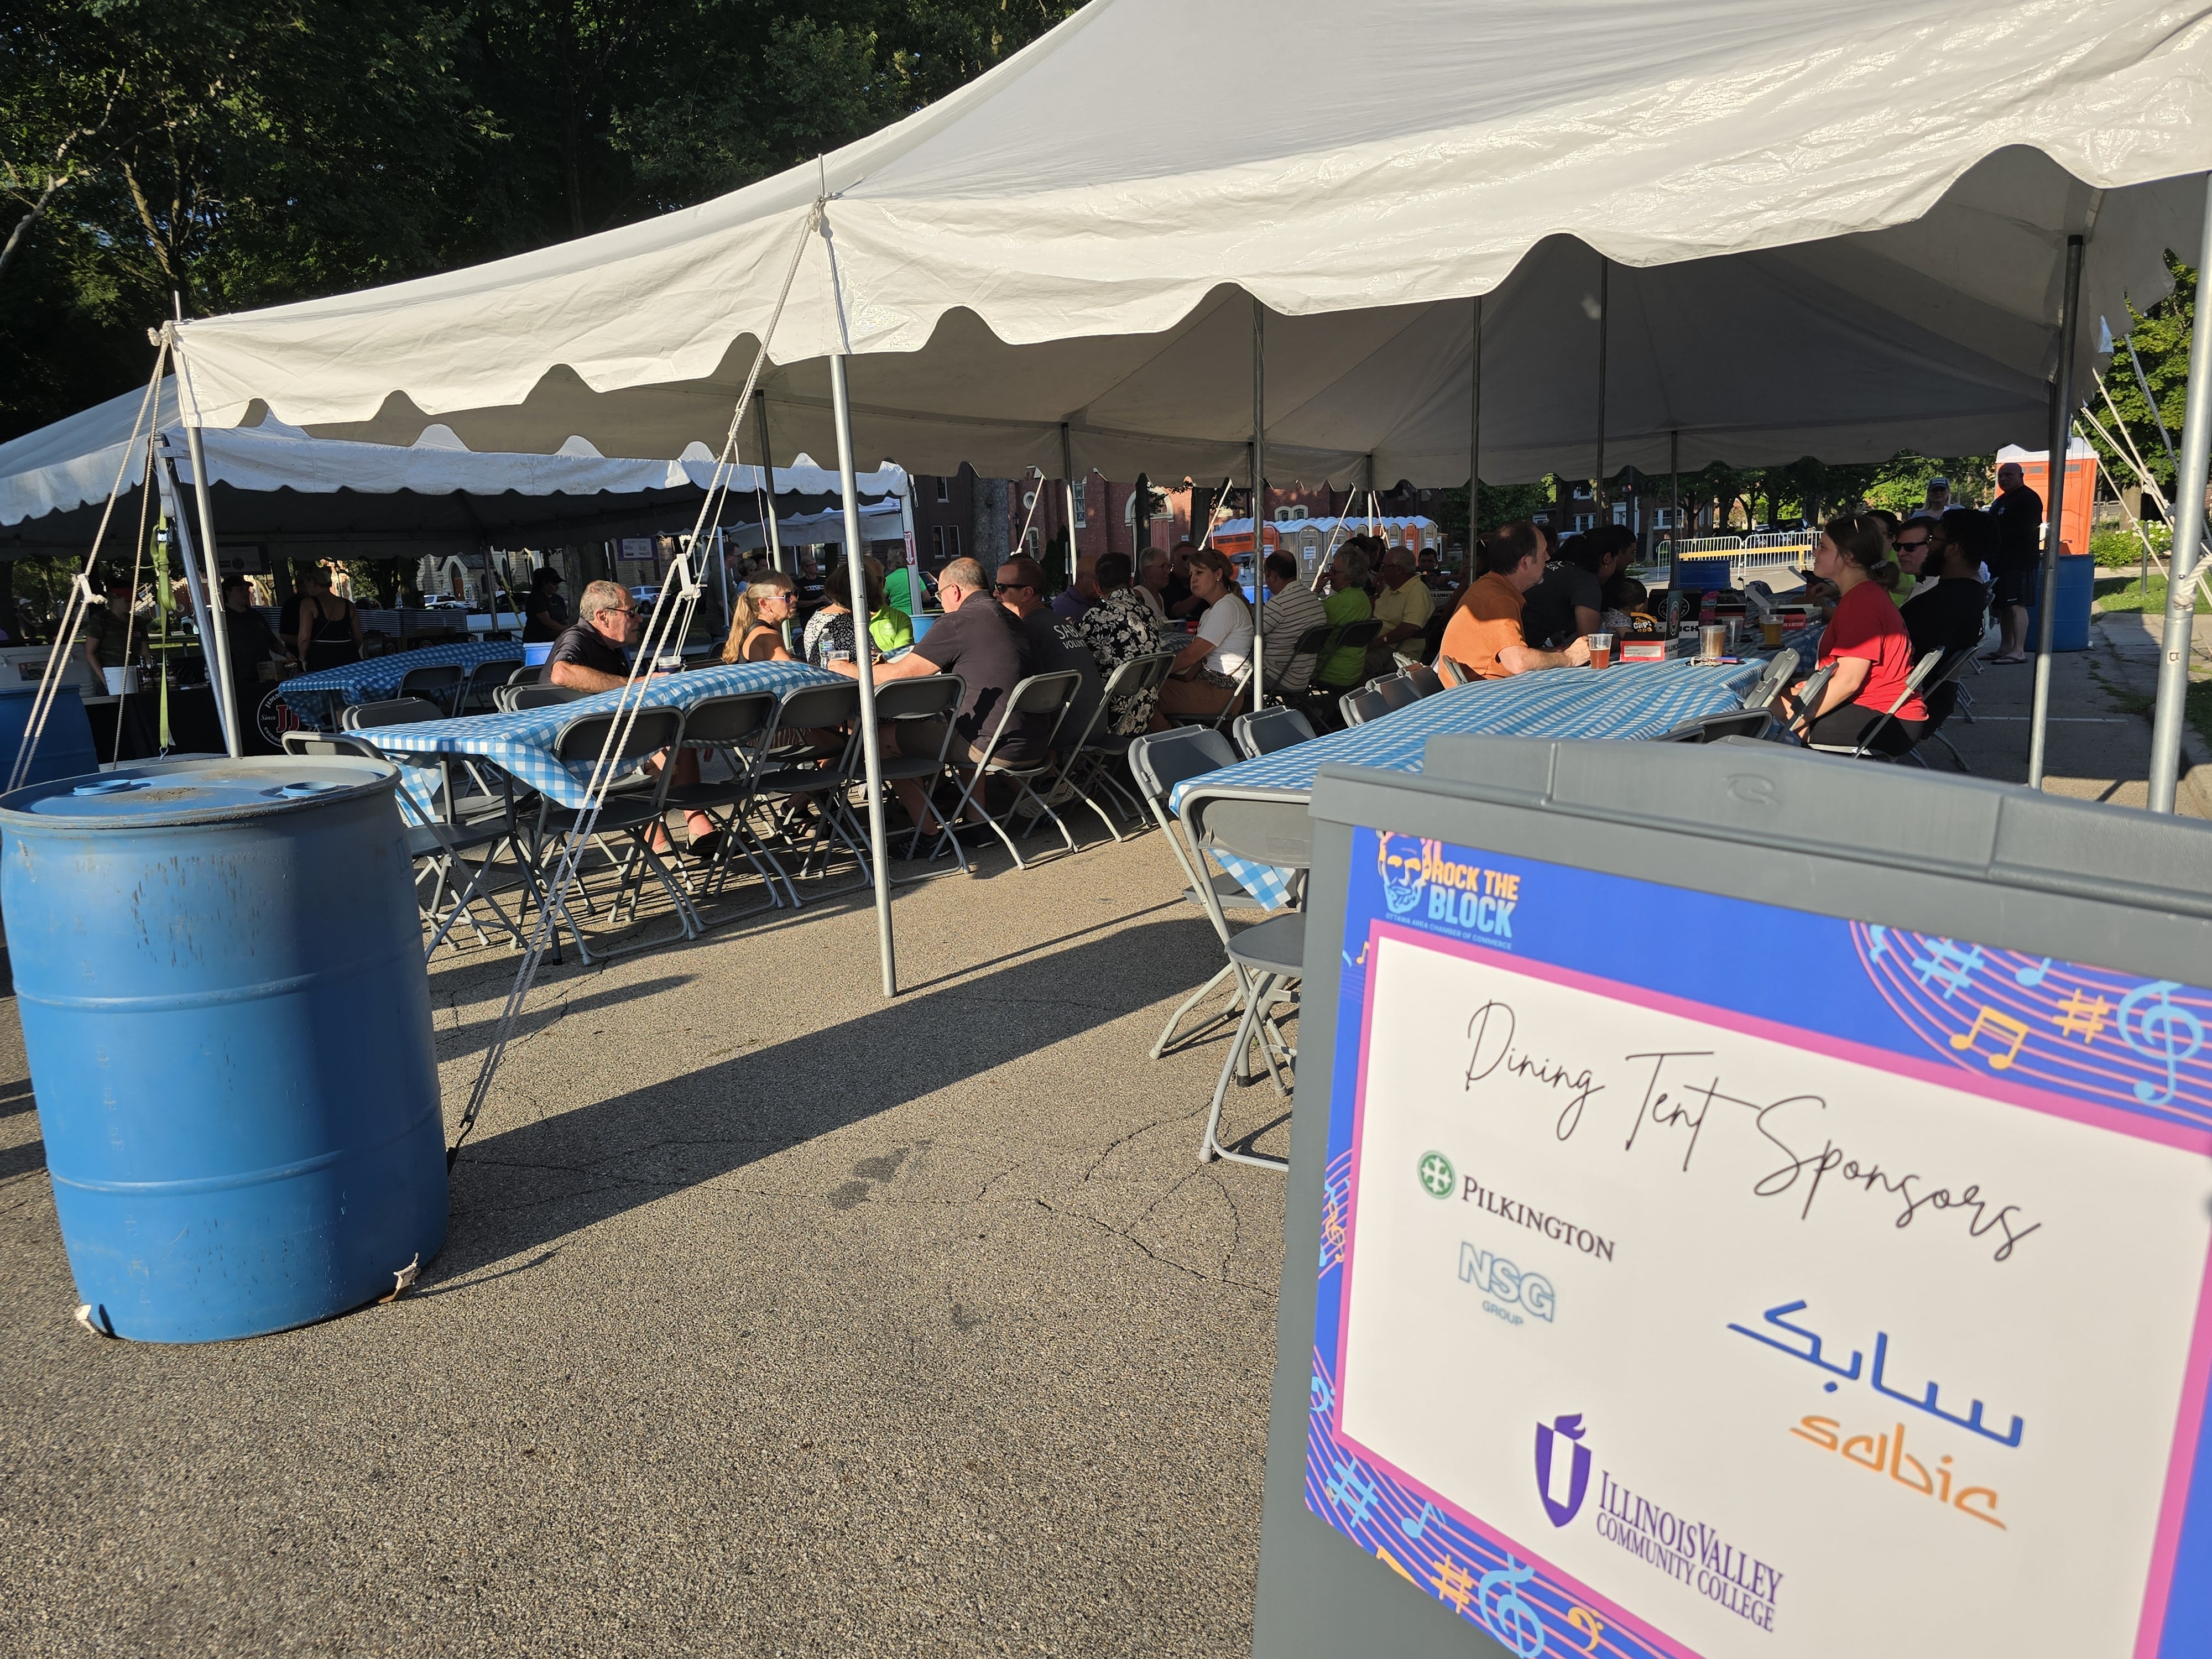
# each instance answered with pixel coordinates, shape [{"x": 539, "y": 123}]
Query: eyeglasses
[
  {"x": 1912, "y": 547},
  {"x": 1012, "y": 587}
]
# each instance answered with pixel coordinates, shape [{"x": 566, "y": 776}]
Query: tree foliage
[{"x": 225, "y": 154}]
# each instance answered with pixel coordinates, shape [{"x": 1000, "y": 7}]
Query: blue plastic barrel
[
  {"x": 64, "y": 746},
  {"x": 2077, "y": 587},
  {"x": 224, "y": 1001}
]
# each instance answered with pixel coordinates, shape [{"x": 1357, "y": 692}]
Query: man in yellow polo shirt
[{"x": 1403, "y": 606}]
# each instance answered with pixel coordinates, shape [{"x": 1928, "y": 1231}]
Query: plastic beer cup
[{"x": 1600, "y": 650}]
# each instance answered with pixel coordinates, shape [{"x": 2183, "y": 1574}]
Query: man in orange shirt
[{"x": 1484, "y": 636}]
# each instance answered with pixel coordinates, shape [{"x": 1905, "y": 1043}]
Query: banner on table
[{"x": 1702, "y": 1278}]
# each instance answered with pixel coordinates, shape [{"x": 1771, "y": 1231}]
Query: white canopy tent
[
  {"x": 1653, "y": 235},
  {"x": 276, "y": 483}
]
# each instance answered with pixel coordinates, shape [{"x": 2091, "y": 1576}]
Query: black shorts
[
  {"x": 1842, "y": 727},
  {"x": 2014, "y": 588}
]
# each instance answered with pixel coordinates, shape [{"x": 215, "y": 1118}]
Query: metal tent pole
[
  {"x": 1604, "y": 328},
  {"x": 1067, "y": 484},
  {"x": 217, "y": 658},
  {"x": 203, "y": 495},
  {"x": 2062, "y": 438},
  {"x": 1258, "y": 507},
  {"x": 722, "y": 571},
  {"x": 2188, "y": 543},
  {"x": 767, "y": 480},
  {"x": 863, "y": 661},
  {"x": 1474, "y": 448}
]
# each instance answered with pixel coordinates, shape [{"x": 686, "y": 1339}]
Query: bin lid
[{"x": 154, "y": 793}]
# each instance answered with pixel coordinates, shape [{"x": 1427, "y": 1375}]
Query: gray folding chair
[
  {"x": 484, "y": 682},
  {"x": 802, "y": 784},
  {"x": 528, "y": 674},
  {"x": 1040, "y": 697},
  {"x": 1954, "y": 666},
  {"x": 900, "y": 706},
  {"x": 1771, "y": 679},
  {"x": 1271, "y": 729},
  {"x": 731, "y": 727},
  {"x": 1357, "y": 707},
  {"x": 1159, "y": 762},
  {"x": 1711, "y": 728},
  {"x": 441, "y": 682},
  {"x": 392, "y": 711},
  {"x": 1305, "y": 650},
  {"x": 1088, "y": 762},
  {"x": 1923, "y": 671},
  {"x": 509, "y": 699},
  {"x": 1423, "y": 679},
  {"x": 634, "y": 811},
  {"x": 1263, "y": 827}
]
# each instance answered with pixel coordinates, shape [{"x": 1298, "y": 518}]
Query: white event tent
[
  {"x": 299, "y": 495},
  {"x": 1574, "y": 233}
]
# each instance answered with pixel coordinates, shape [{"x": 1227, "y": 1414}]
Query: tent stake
[
  {"x": 2188, "y": 538},
  {"x": 856, "y": 569},
  {"x": 1259, "y": 506},
  {"x": 2062, "y": 436}
]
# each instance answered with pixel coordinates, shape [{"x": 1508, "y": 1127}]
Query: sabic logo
[{"x": 1576, "y": 1474}]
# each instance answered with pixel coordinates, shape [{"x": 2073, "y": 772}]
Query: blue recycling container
[
  {"x": 2077, "y": 587},
  {"x": 65, "y": 747},
  {"x": 226, "y": 1012}
]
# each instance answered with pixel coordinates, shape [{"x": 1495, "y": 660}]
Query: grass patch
[
  {"x": 2197, "y": 705},
  {"x": 2129, "y": 593}
]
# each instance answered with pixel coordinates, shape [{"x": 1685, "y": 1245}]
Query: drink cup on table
[
  {"x": 1712, "y": 640},
  {"x": 1600, "y": 650},
  {"x": 1771, "y": 630}
]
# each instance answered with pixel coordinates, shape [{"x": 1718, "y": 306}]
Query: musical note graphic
[
  {"x": 2032, "y": 977},
  {"x": 2152, "y": 1033},
  {"x": 2081, "y": 1015},
  {"x": 2001, "y": 1025},
  {"x": 1511, "y": 1620},
  {"x": 1420, "y": 1524},
  {"x": 1589, "y": 1624},
  {"x": 1355, "y": 1492},
  {"x": 1324, "y": 1397},
  {"x": 1946, "y": 963},
  {"x": 1881, "y": 938},
  {"x": 1453, "y": 1584}
]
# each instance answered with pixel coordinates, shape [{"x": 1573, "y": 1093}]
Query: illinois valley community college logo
[{"x": 1574, "y": 1472}]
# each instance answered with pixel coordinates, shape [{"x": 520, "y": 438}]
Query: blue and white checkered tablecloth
[
  {"x": 521, "y": 743},
  {"x": 319, "y": 696},
  {"x": 1628, "y": 701}
]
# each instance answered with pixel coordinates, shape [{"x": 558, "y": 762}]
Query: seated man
[
  {"x": 1570, "y": 601},
  {"x": 1081, "y": 594},
  {"x": 1403, "y": 605},
  {"x": 591, "y": 655},
  {"x": 1054, "y": 648},
  {"x": 976, "y": 640},
  {"x": 1952, "y": 612},
  {"x": 1293, "y": 609},
  {"x": 1484, "y": 636},
  {"x": 1205, "y": 674}
]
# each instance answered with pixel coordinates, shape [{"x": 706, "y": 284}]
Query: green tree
[{"x": 2158, "y": 339}]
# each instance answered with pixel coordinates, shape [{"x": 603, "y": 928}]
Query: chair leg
[
  {"x": 1167, "y": 1033},
  {"x": 1211, "y": 1148},
  {"x": 1956, "y": 756}
]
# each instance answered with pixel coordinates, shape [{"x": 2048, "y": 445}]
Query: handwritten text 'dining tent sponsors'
[{"x": 1731, "y": 1218}]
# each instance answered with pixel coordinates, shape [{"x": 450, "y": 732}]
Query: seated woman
[
  {"x": 1866, "y": 643},
  {"x": 1205, "y": 674},
  {"x": 757, "y": 614}
]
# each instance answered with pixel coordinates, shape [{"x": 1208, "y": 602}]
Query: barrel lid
[{"x": 151, "y": 793}]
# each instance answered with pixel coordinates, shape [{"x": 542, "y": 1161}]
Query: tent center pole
[
  {"x": 2188, "y": 545},
  {"x": 1067, "y": 484},
  {"x": 767, "y": 480},
  {"x": 1259, "y": 506},
  {"x": 1673, "y": 498},
  {"x": 172, "y": 493},
  {"x": 2062, "y": 439},
  {"x": 1474, "y": 449},
  {"x": 1604, "y": 322},
  {"x": 856, "y": 565}
]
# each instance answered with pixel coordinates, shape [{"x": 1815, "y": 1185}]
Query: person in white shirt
[
  {"x": 1205, "y": 674},
  {"x": 1293, "y": 609}
]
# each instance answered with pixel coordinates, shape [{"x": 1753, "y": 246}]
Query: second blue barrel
[
  {"x": 2077, "y": 587},
  {"x": 64, "y": 743},
  {"x": 220, "y": 971}
]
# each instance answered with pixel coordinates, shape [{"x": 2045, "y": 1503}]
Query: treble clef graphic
[
  {"x": 2163, "y": 1033},
  {"x": 1512, "y": 1620}
]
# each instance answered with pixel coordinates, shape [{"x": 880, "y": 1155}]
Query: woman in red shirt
[{"x": 1867, "y": 642}]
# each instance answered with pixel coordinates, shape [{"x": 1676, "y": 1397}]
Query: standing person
[
  {"x": 1152, "y": 572},
  {"x": 1867, "y": 644},
  {"x": 1054, "y": 646},
  {"x": 1938, "y": 501},
  {"x": 544, "y": 612},
  {"x": 1083, "y": 593},
  {"x": 760, "y": 608},
  {"x": 1403, "y": 606},
  {"x": 1348, "y": 603},
  {"x": 251, "y": 642},
  {"x": 111, "y": 630},
  {"x": 2019, "y": 513},
  {"x": 1204, "y": 678},
  {"x": 1118, "y": 629},
  {"x": 1293, "y": 609},
  {"x": 330, "y": 628},
  {"x": 1485, "y": 635}
]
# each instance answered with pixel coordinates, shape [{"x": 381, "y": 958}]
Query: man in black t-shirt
[
  {"x": 1569, "y": 602},
  {"x": 589, "y": 656},
  {"x": 1950, "y": 613},
  {"x": 2019, "y": 515},
  {"x": 1018, "y": 585}
]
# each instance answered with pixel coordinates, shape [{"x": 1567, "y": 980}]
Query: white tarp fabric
[
  {"x": 1837, "y": 229},
  {"x": 73, "y": 464},
  {"x": 884, "y": 521}
]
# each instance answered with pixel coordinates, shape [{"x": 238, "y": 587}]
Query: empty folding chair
[
  {"x": 1270, "y": 729},
  {"x": 1711, "y": 728},
  {"x": 393, "y": 711},
  {"x": 1029, "y": 716},
  {"x": 1357, "y": 707},
  {"x": 904, "y": 706},
  {"x": 1159, "y": 762},
  {"x": 1771, "y": 679},
  {"x": 512, "y": 699},
  {"x": 441, "y": 682},
  {"x": 732, "y": 727},
  {"x": 1424, "y": 680},
  {"x": 475, "y": 693},
  {"x": 1259, "y": 826},
  {"x": 802, "y": 782},
  {"x": 634, "y": 811},
  {"x": 528, "y": 674},
  {"x": 1087, "y": 762}
]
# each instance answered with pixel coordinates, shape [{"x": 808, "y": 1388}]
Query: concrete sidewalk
[{"x": 774, "y": 1320}]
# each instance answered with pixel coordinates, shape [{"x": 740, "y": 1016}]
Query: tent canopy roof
[{"x": 1833, "y": 229}]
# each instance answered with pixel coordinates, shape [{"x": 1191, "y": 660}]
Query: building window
[
  {"x": 952, "y": 541},
  {"x": 1585, "y": 520},
  {"x": 937, "y": 543},
  {"x": 944, "y": 488},
  {"x": 1582, "y": 492},
  {"x": 1620, "y": 512}
]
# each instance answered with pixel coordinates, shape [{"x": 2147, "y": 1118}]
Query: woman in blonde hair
[{"x": 756, "y": 619}]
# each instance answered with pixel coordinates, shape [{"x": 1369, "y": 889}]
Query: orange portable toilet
[{"x": 2081, "y": 486}]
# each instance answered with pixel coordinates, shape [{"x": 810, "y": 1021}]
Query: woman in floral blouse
[{"x": 1118, "y": 629}]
